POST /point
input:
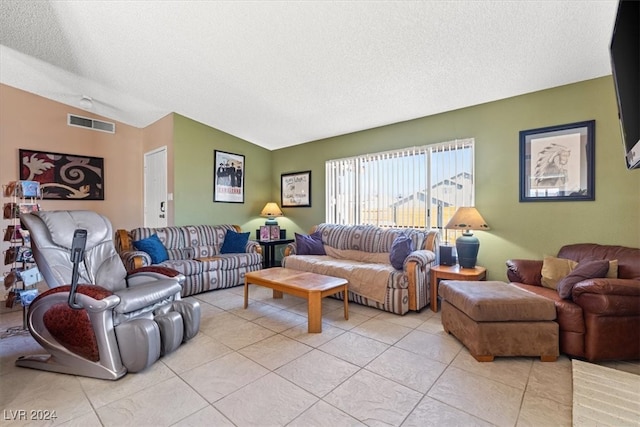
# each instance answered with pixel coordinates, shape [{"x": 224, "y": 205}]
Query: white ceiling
[{"x": 281, "y": 73}]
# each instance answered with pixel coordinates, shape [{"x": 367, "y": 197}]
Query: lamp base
[
  {"x": 271, "y": 221},
  {"x": 467, "y": 246}
]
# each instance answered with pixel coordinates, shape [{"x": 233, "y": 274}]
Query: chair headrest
[{"x": 62, "y": 224}]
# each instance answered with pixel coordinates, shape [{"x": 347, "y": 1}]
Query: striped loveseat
[
  {"x": 360, "y": 254},
  {"x": 193, "y": 250}
]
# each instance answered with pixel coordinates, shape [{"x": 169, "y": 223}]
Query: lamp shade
[
  {"x": 271, "y": 210},
  {"x": 467, "y": 245},
  {"x": 467, "y": 219}
]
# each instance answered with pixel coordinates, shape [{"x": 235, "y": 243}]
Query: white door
[{"x": 155, "y": 188}]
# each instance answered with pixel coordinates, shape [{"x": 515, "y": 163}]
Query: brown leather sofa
[{"x": 602, "y": 319}]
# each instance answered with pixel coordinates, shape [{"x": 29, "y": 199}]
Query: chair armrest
[
  {"x": 123, "y": 241},
  {"x": 422, "y": 258},
  {"x": 135, "y": 259},
  {"x": 253, "y": 247},
  {"x": 153, "y": 272},
  {"x": 432, "y": 242},
  {"x": 615, "y": 297},
  {"x": 608, "y": 286},
  {"x": 525, "y": 271},
  {"x": 90, "y": 297},
  {"x": 146, "y": 295},
  {"x": 290, "y": 249}
]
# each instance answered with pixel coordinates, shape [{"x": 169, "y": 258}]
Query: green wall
[
  {"x": 194, "y": 145},
  {"x": 518, "y": 230}
]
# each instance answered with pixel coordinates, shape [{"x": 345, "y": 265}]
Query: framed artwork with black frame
[
  {"x": 295, "y": 190},
  {"x": 63, "y": 176},
  {"x": 557, "y": 163},
  {"x": 228, "y": 177}
]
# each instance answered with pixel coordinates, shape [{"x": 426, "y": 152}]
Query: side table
[
  {"x": 269, "y": 253},
  {"x": 453, "y": 272}
]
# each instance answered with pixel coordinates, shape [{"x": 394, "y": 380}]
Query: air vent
[{"x": 85, "y": 122}]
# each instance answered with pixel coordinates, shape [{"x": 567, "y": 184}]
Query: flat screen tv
[{"x": 625, "y": 64}]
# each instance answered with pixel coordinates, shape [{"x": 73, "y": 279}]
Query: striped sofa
[
  {"x": 194, "y": 250},
  {"x": 352, "y": 250}
]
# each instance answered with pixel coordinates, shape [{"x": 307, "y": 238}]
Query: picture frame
[
  {"x": 63, "y": 176},
  {"x": 274, "y": 232},
  {"x": 264, "y": 233},
  {"x": 295, "y": 190},
  {"x": 228, "y": 177},
  {"x": 557, "y": 163}
]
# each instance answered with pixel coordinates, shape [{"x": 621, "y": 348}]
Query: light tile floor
[{"x": 260, "y": 367}]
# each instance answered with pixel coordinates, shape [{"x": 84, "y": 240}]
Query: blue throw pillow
[
  {"x": 154, "y": 247},
  {"x": 309, "y": 245},
  {"x": 234, "y": 243},
  {"x": 401, "y": 247}
]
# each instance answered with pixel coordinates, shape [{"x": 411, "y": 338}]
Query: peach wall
[{"x": 31, "y": 122}]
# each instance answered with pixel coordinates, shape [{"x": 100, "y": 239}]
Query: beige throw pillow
[
  {"x": 613, "y": 269},
  {"x": 555, "y": 269}
]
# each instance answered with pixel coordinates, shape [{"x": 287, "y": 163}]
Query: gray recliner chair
[{"x": 118, "y": 322}]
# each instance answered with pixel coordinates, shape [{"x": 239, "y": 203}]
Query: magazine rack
[{"x": 21, "y": 275}]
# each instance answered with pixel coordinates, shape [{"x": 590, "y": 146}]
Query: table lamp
[
  {"x": 271, "y": 210},
  {"x": 467, "y": 245}
]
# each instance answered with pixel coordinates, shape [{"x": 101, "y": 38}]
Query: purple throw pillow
[
  {"x": 401, "y": 247},
  {"x": 584, "y": 271},
  {"x": 309, "y": 245}
]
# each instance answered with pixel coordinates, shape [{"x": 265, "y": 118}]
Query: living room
[{"x": 518, "y": 230}]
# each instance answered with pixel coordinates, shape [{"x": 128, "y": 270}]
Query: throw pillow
[
  {"x": 309, "y": 245},
  {"x": 613, "y": 269},
  {"x": 584, "y": 271},
  {"x": 401, "y": 247},
  {"x": 234, "y": 243},
  {"x": 154, "y": 247},
  {"x": 554, "y": 269}
]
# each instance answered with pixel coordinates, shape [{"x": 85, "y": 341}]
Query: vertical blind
[{"x": 417, "y": 187}]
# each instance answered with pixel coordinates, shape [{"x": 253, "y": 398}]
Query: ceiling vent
[{"x": 85, "y": 122}]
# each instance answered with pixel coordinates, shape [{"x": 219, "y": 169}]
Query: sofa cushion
[
  {"x": 234, "y": 243},
  {"x": 400, "y": 249},
  {"x": 203, "y": 251},
  {"x": 360, "y": 256},
  {"x": 584, "y": 270},
  {"x": 154, "y": 247},
  {"x": 309, "y": 245},
  {"x": 554, "y": 269},
  {"x": 358, "y": 237},
  {"x": 369, "y": 280},
  {"x": 628, "y": 258}
]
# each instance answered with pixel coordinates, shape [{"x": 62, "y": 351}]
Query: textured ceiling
[{"x": 280, "y": 73}]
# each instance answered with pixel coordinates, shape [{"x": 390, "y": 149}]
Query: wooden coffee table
[{"x": 310, "y": 286}]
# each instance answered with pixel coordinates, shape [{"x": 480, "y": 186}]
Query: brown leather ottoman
[{"x": 497, "y": 319}]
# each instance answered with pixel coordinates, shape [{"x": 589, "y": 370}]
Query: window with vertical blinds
[{"x": 417, "y": 187}]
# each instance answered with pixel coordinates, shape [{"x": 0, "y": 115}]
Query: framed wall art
[
  {"x": 228, "y": 186},
  {"x": 63, "y": 176},
  {"x": 295, "y": 190},
  {"x": 557, "y": 163}
]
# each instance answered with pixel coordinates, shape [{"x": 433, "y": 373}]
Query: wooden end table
[{"x": 453, "y": 272}]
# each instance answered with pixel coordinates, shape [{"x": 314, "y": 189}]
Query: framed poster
[
  {"x": 295, "y": 189},
  {"x": 63, "y": 176},
  {"x": 557, "y": 163},
  {"x": 228, "y": 185}
]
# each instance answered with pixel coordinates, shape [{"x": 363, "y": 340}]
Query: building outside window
[{"x": 417, "y": 187}]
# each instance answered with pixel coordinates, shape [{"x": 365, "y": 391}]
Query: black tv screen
[{"x": 625, "y": 64}]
